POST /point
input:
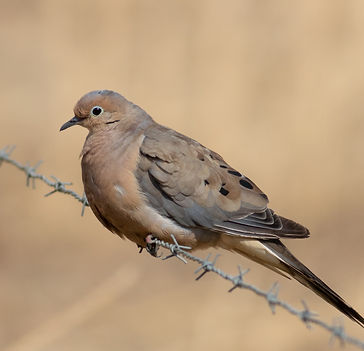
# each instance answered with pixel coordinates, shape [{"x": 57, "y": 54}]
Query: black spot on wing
[
  {"x": 223, "y": 191},
  {"x": 245, "y": 184},
  {"x": 235, "y": 173}
]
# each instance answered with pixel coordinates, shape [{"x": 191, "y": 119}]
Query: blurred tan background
[{"x": 276, "y": 87}]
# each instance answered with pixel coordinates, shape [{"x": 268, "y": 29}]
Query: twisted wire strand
[{"x": 31, "y": 174}]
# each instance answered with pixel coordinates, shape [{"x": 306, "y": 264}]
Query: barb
[
  {"x": 31, "y": 174},
  {"x": 206, "y": 265}
]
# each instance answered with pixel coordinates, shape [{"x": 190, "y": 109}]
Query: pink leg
[{"x": 149, "y": 239}]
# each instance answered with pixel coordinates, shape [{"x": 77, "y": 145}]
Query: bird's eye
[{"x": 97, "y": 111}]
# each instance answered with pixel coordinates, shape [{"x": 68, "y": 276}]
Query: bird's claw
[
  {"x": 151, "y": 246},
  {"x": 140, "y": 247}
]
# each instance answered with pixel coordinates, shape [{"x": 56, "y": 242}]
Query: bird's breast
[{"x": 109, "y": 180}]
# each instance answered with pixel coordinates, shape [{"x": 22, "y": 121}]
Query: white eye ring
[{"x": 96, "y": 111}]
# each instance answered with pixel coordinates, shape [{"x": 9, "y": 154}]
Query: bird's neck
[{"x": 115, "y": 139}]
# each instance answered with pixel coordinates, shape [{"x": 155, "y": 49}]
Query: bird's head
[{"x": 98, "y": 109}]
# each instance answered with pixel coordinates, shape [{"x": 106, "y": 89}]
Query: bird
[{"x": 144, "y": 181}]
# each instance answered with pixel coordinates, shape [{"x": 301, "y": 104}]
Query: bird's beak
[{"x": 72, "y": 122}]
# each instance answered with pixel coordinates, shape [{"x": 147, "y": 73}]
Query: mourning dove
[{"x": 144, "y": 180}]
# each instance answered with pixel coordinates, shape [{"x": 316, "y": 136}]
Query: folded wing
[{"x": 195, "y": 187}]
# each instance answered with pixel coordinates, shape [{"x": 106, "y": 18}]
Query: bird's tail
[{"x": 275, "y": 256}]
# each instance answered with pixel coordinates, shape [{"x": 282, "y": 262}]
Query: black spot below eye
[
  {"x": 206, "y": 182},
  {"x": 245, "y": 184},
  {"x": 235, "y": 173},
  {"x": 223, "y": 166},
  {"x": 264, "y": 196},
  {"x": 223, "y": 191}
]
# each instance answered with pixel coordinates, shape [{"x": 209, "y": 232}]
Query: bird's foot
[{"x": 151, "y": 246}]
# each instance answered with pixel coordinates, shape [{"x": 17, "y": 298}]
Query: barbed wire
[
  {"x": 31, "y": 174},
  {"x": 206, "y": 265}
]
